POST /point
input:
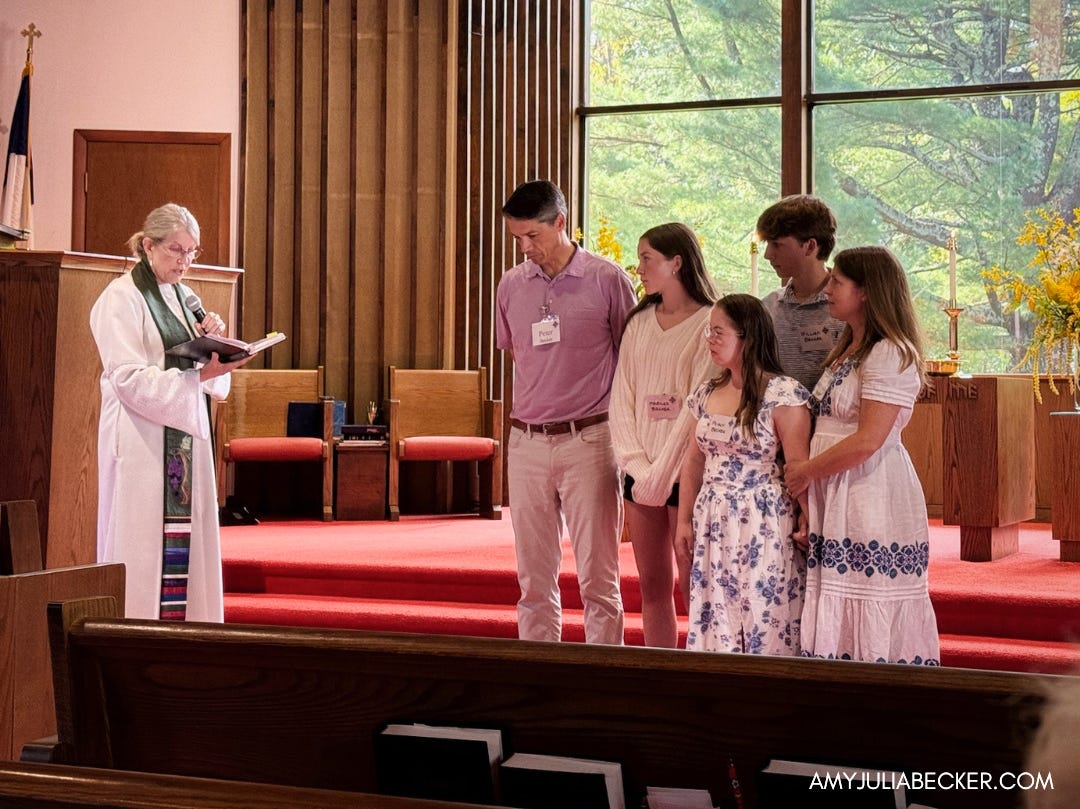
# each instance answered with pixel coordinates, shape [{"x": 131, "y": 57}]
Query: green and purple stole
[{"x": 177, "y": 463}]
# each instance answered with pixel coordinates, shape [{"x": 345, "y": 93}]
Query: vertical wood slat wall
[
  {"x": 379, "y": 142},
  {"x": 343, "y": 197},
  {"x": 516, "y": 96}
]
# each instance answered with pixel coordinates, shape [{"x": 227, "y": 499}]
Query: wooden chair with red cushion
[
  {"x": 252, "y": 425},
  {"x": 445, "y": 416}
]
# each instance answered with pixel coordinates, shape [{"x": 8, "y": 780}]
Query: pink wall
[{"x": 170, "y": 65}]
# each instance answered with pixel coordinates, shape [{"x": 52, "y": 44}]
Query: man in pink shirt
[{"x": 560, "y": 314}]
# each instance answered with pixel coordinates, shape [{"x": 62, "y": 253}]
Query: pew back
[
  {"x": 302, "y": 706},
  {"x": 50, "y": 786}
]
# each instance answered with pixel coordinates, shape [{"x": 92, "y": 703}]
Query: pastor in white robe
[{"x": 139, "y": 397}]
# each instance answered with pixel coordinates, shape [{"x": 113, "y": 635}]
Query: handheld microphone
[{"x": 194, "y": 305}]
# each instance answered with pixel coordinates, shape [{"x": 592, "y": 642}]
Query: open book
[{"x": 227, "y": 349}]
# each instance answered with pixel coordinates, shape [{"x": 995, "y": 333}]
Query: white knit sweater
[{"x": 655, "y": 362}]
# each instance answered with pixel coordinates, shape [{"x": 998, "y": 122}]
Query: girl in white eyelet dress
[
  {"x": 746, "y": 581},
  {"x": 866, "y": 595}
]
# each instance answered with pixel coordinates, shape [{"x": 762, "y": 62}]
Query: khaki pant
[{"x": 571, "y": 477}]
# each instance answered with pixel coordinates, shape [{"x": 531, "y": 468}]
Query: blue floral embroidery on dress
[
  {"x": 823, "y": 406},
  {"x": 868, "y": 557}
]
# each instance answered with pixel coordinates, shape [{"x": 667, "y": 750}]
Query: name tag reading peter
[
  {"x": 546, "y": 330},
  {"x": 664, "y": 406}
]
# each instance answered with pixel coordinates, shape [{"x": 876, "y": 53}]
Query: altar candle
[
  {"x": 952, "y": 268},
  {"x": 753, "y": 269}
]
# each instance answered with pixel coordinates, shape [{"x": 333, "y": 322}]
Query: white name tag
[
  {"x": 546, "y": 330},
  {"x": 815, "y": 339},
  {"x": 664, "y": 406}
]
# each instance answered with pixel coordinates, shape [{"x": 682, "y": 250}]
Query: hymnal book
[
  {"x": 227, "y": 349},
  {"x": 437, "y": 762},
  {"x": 804, "y": 784},
  {"x": 531, "y": 781},
  {"x": 677, "y": 798}
]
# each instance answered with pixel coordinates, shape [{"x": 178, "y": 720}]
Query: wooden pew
[
  {"x": 26, "y": 682},
  {"x": 301, "y": 707},
  {"x": 51, "y": 786}
]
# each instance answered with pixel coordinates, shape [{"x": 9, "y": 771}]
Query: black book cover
[
  {"x": 442, "y": 769},
  {"x": 825, "y": 786},
  {"x": 555, "y": 782}
]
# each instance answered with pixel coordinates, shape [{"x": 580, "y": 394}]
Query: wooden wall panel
[
  {"x": 516, "y": 123},
  {"x": 346, "y": 149},
  {"x": 380, "y": 141}
]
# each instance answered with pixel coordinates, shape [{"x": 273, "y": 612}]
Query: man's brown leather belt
[{"x": 560, "y": 427}]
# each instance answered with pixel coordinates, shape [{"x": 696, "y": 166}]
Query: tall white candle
[
  {"x": 952, "y": 269},
  {"x": 753, "y": 269}
]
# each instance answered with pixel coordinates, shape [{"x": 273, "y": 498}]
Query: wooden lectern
[
  {"x": 989, "y": 462},
  {"x": 50, "y": 394}
]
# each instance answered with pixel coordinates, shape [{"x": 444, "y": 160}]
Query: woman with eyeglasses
[
  {"x": 661, "y": 359},
  {"x": 747, "y": 533},
  {"x": 157, "y": 497},
  {"x": 867, "y": 596}
]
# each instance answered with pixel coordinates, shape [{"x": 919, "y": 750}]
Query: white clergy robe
[{"x": 138, "y": 399}]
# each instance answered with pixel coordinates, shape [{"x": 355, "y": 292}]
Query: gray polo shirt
[{"x": 805, "y": 333}]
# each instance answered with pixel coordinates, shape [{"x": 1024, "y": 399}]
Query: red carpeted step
[
  {"x": 429, "y": 617},
  {"x": 994, "y": 613},
  {"x": 1010, "y": 654}
]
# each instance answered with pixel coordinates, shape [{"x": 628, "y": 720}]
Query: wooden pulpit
[
  {"x": 989, "y": 462},
  {"x": 50, "y": 396}
]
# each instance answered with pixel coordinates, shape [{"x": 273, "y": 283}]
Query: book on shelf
[
  {"x": 228, "y": 349},
  {"x": 533, "y": 781},
  {"x": 677, "y": 798},
  {"x": 438, "y": 762},
  {"x": 805, "y": 784}
]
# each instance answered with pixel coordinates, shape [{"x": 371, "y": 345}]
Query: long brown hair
[
  {"x": 760, "y": 354},
  {"x": 676, "y": 239},
  {"x": 890, "y": 312}
]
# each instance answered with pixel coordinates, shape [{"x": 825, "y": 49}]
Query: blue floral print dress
[
  {"x": 866, "y": 588},
  {"x": 746, "y": 581}
]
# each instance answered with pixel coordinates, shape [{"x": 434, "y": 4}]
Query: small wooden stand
[
  {"x": 1065, "y": 495},
  {"x": 360, "y": 480},
  {"x": 989, "y": 457}
]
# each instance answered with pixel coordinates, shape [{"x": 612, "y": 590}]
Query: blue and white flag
[{"x": 18, "y": 194}]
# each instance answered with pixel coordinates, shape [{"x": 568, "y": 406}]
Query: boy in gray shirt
[{"x": 800, "y": 233}]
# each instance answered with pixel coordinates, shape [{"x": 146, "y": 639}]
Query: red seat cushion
[
  {"x": 446, "y": 448},
  {"x": 275, "y": 449}
]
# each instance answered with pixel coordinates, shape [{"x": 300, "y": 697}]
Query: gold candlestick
[{"x": 953, "y": 311}]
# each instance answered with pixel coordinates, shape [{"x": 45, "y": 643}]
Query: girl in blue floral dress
[
  {"x": 866, "y": 593},
  {"x": 746, "y": 582}
]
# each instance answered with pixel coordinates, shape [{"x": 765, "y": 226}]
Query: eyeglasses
[
  {"x": 180, "y": 254},
  {"x": 716, "y": 333}
]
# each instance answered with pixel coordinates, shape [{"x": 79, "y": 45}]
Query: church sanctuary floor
[{"x": 456, "y": 575}]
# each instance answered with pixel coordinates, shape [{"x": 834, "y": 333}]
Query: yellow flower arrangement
[
  {"x": 1053, "y": 298},
  {"x": 607, "y": 244}
]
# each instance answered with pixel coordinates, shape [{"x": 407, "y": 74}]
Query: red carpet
[{"x": 456, "y": 575}]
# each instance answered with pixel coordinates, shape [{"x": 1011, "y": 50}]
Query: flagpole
[{"x": 18, "y": 189}]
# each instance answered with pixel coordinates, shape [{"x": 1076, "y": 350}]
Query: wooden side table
[
  {"x": 1065, "y": 494},
  {"x": 360, "y": 480}
]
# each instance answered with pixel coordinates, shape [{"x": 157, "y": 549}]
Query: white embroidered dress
[
  {"x": 866, "y": 588},
  {"x": 746, "y": 582}
]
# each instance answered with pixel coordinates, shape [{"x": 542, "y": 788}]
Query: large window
[{"x": 921, "y": 119}]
